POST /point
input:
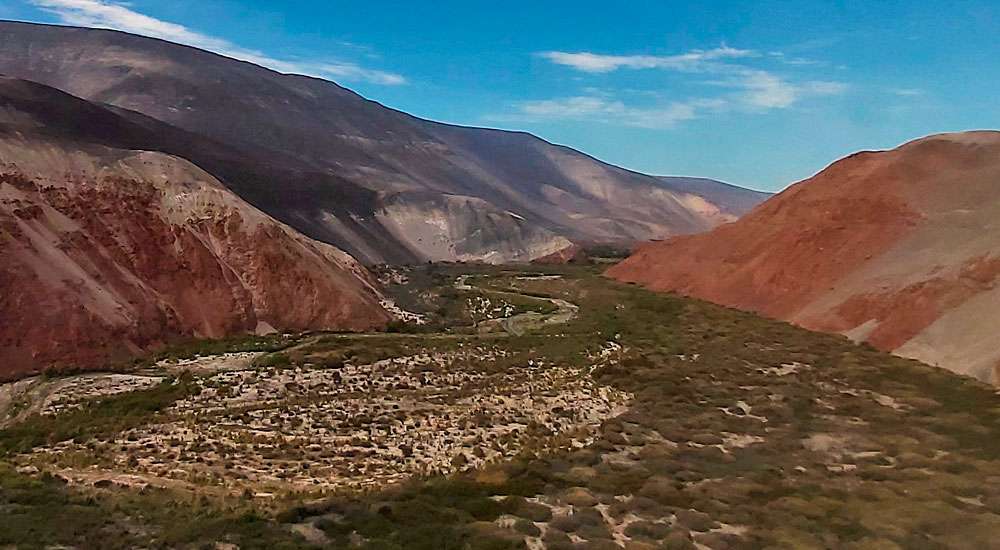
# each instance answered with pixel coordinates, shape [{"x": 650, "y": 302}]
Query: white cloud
[
  {"x": 758, "y": 88},
  {"x": 109, "y": 15},
  {"x": 780, "y": 56},
  {"x": 596, "y": 63},
  {"x": 594, "y": 108},
  {"x": 765, "y": 90},
  {"x": 751, "y": 89},
  {"x": 352, "y": 71}
]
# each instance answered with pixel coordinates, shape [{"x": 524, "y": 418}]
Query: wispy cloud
[
  {"x": 353, "y": 71},
  {"x": 750, "y": 89},
  {"x": 593, "y": 108},
  {"x": 790, "y": 60},
  {"x": 691, "y": 61},
  {"x": 111, "y": 15},
  {"x": 758, "y": 89}
]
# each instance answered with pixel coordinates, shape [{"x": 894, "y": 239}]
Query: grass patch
[{"x": 101, "y": 418}]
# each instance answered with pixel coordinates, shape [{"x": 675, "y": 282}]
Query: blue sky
[{"x": 760, "y": 94}]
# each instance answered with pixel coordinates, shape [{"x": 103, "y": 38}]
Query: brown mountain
[
  {"x": 381, "y": 184},
  {"x": 898, "y": 248},
  {"x": 106, "y": 250}
]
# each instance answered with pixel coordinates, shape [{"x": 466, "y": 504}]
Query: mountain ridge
[{"x": 313, "y": 125}]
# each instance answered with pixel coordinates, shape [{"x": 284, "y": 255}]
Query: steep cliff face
[
  {"x": 105, "y": 252},
  {"x": 898, "y": 248},
  {"x": 323, "y": 159}
]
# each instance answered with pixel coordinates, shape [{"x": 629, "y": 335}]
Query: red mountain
[
  {"x": 899, "y": 248},
  {"x": 107, "y": 250}
]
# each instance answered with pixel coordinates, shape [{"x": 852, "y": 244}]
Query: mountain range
[
  {"x": 151, "y": 192},
  {"x": 378, "y": 183}
]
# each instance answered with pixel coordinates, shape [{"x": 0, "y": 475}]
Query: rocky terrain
[
  {"x": 106, "y": 250},
  {"x": 896, "y": 248},
  {"x": 645, "y": 421},
  {"x": 378, "y": 183},
  {"x": 267, "y": 430}
]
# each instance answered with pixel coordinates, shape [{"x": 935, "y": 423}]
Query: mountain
[
  {"x": 108, "y": 248},
  {"x": 898, "y": 248},
  {"x": 381, "y": 184}
]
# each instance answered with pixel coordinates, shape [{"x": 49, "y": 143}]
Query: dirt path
[
  {"x": 45, "y": 395},
  {"x": 521, "y": 323}
]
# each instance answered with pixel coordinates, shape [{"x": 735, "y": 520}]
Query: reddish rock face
[
  {"x": 898, "y": 248},
  {"x": 905, "y": 312},
  {"x": 105, "y": 253},
  {"x": 559, "y": 257}
]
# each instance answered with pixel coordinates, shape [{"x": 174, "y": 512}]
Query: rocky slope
[
  {"x": 106, "y": 250},
  {"x": 897, "y": 248},
  {"x": 354, "y": 173}
]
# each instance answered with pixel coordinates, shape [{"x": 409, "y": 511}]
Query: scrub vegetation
[{"x": 733, "y": 432}]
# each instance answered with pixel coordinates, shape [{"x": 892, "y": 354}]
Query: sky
[{"x": 759, "y": 94}]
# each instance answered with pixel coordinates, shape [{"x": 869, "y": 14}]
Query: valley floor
[{"x": 520, "y": 408}]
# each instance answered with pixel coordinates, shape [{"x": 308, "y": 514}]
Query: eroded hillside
[
  {"x": 896, "y": 248},
  {"x": 109, "y": 251}
]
